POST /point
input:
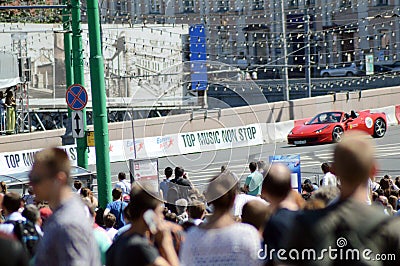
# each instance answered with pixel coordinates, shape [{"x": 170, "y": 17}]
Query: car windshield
[{"x": 324, "y": 118}]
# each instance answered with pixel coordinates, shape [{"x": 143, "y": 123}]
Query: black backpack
[{"x": 26, "y": 233}]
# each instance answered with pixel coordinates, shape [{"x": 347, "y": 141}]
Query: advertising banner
[
  {"x": 293, "y": 162},
  {"x": 150, "y": 147},
  {"x": 145, "y": 172}
]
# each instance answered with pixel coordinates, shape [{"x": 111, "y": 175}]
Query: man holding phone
[{"x": 148, "y": 229}]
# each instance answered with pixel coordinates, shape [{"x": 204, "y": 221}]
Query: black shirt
[
  {"x": 131, "y": 250},
  {"x": 277, "y": 228},
  {"x": 181, "y": 181}
]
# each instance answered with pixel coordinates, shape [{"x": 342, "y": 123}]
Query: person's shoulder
[
  {"x": 182, "y": 181},
  {"x": 136, "y": 242},
  {"x": 194, "y": 233},
  {"x": 250, "y": 175},
  {"x": 113, "y": 204},
  {"x": 242, "y": 227}
]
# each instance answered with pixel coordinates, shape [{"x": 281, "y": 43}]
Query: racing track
[{"x": 203, "y": 166}]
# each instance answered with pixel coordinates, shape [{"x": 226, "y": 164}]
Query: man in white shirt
[
  {"x": 11, "y": 205},
  {"x": 329, "y": 179},
  {"x": 124, "y": 185}
]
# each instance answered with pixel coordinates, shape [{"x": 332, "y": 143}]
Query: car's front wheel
[
  {"x": 337, "y": 134},
  {"x": 379, "y": 128}
]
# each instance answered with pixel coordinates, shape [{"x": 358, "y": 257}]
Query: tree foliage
[{"x": 29, "y": 15}]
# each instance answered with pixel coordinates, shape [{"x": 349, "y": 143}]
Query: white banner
[
  {"x": 21, "y": 161},
  {"x": 198, "y": 141},
  {"x": 151, "y": 147}
]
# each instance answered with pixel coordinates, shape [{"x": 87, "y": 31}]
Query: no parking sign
[{"x": 76, "y": 97}]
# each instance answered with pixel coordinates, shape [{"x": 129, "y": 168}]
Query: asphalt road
[{"x": 203, "y": 166}]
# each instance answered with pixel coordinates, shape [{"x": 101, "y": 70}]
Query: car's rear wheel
[
  {"x": 349, "y": 74},
  {"x": 379, "y": 128},
  {"x": 337, "y": 134}
]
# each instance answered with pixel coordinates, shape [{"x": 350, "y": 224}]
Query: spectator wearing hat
[{"x": 181, "y": 210}]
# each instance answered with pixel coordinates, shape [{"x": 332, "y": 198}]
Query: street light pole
[
  {"x": 285, "y": 56},
  {"x": 100, "y": 119},
  {"x": 307, "y": 48},
  {"x": 79, "y": 75}
]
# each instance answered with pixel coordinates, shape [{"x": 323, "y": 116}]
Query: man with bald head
[
  {"x": 277, "y": 190},
  {"x": 349, "y": 225}
]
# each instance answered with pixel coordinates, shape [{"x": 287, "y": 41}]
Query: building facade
[{"x": 248, "y": 33}]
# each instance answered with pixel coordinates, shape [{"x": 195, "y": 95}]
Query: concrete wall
[
  {"x": 35, "y": 140},
  {"x": 201, "y": 120},
  {"x": 261, "y": 113}
]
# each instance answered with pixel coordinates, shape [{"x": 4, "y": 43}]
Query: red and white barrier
[
  {"x": 397, "y": 112},
  {"x": 390, "y": 112}
]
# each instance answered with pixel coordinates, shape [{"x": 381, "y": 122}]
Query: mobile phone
[{"x": 149, "y": 217}]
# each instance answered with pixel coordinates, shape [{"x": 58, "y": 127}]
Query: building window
[
  {"x": 155, "y": 6},
  {"x": 382, "y": 2},
  {"x": 384, "y": 45},
  {"x": 345, "y": 3},
  {"x": 121, "y": 8},
  {"x": 293, "y": 3},
  {"x": 258, "y": 4},
  {"x": 188, "y": 6},
  {"x": 223, "y": 5}
]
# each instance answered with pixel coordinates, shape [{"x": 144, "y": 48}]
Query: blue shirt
[
  {"x": 117, "y": 208},
  {"x": 164, "y": 188}
]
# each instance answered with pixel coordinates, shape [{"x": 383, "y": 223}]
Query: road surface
[{"x": 203, "y": 166}]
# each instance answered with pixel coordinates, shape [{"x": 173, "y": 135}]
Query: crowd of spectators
[{"x": 256, "y": 222}]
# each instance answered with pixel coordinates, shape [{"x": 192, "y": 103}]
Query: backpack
[
  {"x": 177, "y": 190},
  {"x": 26, "y": 233},
  {"x": 173, "y": 192}
]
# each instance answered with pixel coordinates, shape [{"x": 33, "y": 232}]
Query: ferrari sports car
[{"x": 329, "y": 126}]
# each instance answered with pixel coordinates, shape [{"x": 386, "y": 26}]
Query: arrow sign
[{"x": 77, "y": 124}]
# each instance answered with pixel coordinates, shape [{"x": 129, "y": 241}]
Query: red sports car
[{"x": 329, "y": 127}]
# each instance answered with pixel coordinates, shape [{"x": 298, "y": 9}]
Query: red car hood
[{"x": 307, "y": 129}]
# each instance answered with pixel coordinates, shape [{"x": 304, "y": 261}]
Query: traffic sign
[
  {"x": 90, "y": 138},
  {"x": 76, "y": 97},
  {"x": 77, "y": 124}
]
